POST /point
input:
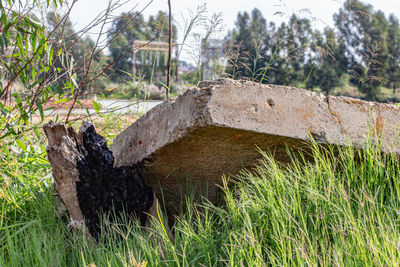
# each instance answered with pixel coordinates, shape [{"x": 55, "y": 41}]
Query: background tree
[
  {"x": 298, "y": 47},
  {"x": 364, "y": 34},
  {"x": 77, "y": 49},
  {"x": 329, "y": 65},
  {"x": 394, "y": 53},
  {"x": 251, "y": 33},
  {"x": 278, "y": 61},
  {"x": 363, "y": 48},
  {"x": 124, "y": 29},
  {"x": 132, "y": 26}
]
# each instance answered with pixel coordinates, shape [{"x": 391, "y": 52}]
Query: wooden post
[
  {"x": 177, "y": 63},
  {"x": 133, "y": 58},
  {"x": 169, "y": 49}
]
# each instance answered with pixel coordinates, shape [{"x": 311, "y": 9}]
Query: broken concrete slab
[{"x": 214, "y": 129}]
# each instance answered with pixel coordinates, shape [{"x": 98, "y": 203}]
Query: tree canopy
[
  {"x": 132, "y": 26},
  {"x": 364, "y": 47}
]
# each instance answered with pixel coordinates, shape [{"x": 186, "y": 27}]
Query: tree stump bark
[{"x": 87, "y": 182}]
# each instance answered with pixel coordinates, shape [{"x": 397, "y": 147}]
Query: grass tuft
[{"x": 340, "y": 209}]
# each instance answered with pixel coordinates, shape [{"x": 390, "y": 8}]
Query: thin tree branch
[{"x": 169, "y": 50}]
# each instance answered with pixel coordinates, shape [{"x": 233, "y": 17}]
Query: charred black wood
[{"x": 99, "y": 187}]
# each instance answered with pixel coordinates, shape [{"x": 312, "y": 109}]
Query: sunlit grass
[{"x": 340, "y": 209}]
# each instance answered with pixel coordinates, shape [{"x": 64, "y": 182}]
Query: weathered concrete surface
[{"x": 215, "y": 128}]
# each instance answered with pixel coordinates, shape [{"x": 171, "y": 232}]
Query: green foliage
[
  {"x": 251, "y": 32},
  {"x": 364, "y": 33},
  {"x": 128, "y": 90},
  {"x": 190, "y": 77},
  {"x": 290, "y": 54},
  {"x": 364, "y": 44},
  {"x": 27, "y": 58},
  {"x": 132, "y": 26},
  {"x": 342, "y": 208},
  {"x": 326, "y": 68},
  {"x": 394, "y": 53},
  {"x": 41, "y": 60},
  {"x": 80, "y": 52}
]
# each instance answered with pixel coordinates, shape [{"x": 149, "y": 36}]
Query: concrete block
[{"x": 214, "y": 129}]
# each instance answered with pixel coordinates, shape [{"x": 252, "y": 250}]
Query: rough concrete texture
[{"x": 214, "y": 129}]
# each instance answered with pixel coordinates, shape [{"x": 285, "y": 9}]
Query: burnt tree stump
[{"x": 87, "y": 182}]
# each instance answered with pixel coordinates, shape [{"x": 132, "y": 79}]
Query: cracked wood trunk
[{"x": 87, "y": 182}]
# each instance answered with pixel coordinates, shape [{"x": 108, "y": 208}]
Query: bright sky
[{"x": 320, "y": 11}]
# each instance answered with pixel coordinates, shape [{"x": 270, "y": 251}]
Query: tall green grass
[{"x": 340, "y": 209}]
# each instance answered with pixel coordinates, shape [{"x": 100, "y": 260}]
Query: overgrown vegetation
[{"x": 340, "y": 209}]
